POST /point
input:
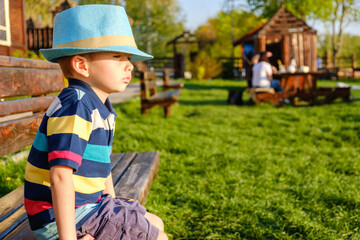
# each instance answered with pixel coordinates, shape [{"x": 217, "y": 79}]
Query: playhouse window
[{"x": 4, "y": 23}]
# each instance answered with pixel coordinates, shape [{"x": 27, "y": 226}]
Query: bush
[
  {"x": 28, "y": 54},
  {"x": 205, "y": 67}
]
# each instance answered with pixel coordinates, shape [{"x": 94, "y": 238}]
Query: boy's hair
[{"x": 66, "y": 67}]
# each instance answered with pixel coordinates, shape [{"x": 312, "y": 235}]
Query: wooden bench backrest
[
  {"x": 147, "y": 84},
  {"x": 32, "y": 83},
  {"x": 166, "y": 75}
]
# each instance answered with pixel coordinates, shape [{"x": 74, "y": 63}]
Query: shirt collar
[{"x": 104, "y": 109}]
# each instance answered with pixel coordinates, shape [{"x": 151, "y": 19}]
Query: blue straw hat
[{"x": 93, "y": 28}]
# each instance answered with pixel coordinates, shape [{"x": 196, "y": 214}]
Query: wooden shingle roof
[{"x": 283, "y": 22}]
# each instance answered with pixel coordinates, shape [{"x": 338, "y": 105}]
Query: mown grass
[{"x": 249, "y": 172}]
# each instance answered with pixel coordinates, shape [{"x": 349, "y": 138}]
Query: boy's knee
[
  {"x": 162, "y": 236},
  {"x": 155, "y": 220}
]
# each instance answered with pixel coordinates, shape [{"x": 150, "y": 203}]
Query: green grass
[{"x": 249, "y": 172}]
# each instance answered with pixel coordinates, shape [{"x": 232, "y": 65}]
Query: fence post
[
  {"x": 353, "y": 65},
  {"x": 328, "y": 59}
]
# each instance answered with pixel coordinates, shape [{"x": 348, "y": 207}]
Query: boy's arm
[
  {"x": 63, "y": 197},
  {"x": 109, "y": 186}
]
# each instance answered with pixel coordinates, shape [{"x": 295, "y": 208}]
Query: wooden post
[
  {"x": 285, "y": 51},
  {"x": 313, "y": 66},
  {"x": 262, "y": 43},
  {"x": 353, "y": 65},
  {"x": 328, "y": 59}
]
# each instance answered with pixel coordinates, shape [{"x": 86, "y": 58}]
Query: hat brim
[{"x": 53, "y": 54}]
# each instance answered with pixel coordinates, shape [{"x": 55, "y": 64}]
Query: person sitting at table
[{"x": 262, "y": 74}]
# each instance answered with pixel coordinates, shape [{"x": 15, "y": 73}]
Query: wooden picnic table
[
  {"x": 304, "y": 86},
  {"x": 298, "y": 81}
]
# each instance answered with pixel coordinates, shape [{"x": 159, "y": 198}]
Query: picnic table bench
[
  {"x": 300, "y": 86},
  {"x": 150, "y": 97},
  {"x": 35, "y": 84}
]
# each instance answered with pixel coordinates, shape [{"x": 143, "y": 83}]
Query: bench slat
[
  {"x": 138, "y": 177},
  {"x": 165, "y": 96},
  {"x": 22, "y": 232},
  {"x": 11, "y": 201},
  {"x": 115, "y": 158},
  {"x": 119, "y": 169},
  {"x": 17, "y": 134},
  {"x": 6, "y": 61},
  {"x": 12, "y": 221},
  {"x": 23, "y": 82},
  {"x": 25, "y": 105}
]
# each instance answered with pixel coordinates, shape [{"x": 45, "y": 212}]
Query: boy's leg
[
  {"x": 155, "y": 220},
  {"x": 120, "y": 219}
]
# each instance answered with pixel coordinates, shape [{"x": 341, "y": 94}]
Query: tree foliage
[
  {"x": 39, "y": 11},
  {"x": 164, "y": 23},
  {"x": 217, "y": 31}
]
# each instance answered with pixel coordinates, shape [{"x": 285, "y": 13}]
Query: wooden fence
[{"x": 39, "y": 38}]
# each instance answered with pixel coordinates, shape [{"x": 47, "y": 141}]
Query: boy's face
[{"x": 110, "y": 71}]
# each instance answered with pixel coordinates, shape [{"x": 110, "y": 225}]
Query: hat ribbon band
[{"x": 98, "y": 42}]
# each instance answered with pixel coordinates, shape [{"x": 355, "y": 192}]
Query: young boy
[{"x": 69, "y": 192}]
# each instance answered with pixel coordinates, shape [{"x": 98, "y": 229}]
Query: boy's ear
[{"x": 80, "y": 65}]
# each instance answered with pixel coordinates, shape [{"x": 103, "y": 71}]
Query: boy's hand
[{"x": 87, "y": 237}]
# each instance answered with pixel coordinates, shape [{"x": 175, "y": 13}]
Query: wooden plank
[
  {"x": 22, "y": 232},
  {"x": 25, "y": 105},
  {"x": 115, "y": 158},
  {"x": 122, "y": 166},
  {"x": 6, "y": 61},
  {"x": 138, "y": 178},
  {"x": 11, "y": 201},
  {"x": 165, "y": 96},
  {"x": 17, "y": 134},
  {"x": 12, "y": 221},
  {"x": 23, "y": 82}
]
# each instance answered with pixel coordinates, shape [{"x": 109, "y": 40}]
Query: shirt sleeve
[
  {"x": 268, "y": 69},
  {"x": 68, "y": 132}
]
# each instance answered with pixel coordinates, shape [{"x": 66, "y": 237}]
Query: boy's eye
[{"x": 122, "y": 56}]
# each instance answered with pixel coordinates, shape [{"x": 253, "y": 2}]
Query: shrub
[{"x": 205, "y": 67}]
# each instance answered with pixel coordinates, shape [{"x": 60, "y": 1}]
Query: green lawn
[{"x": 249, "y": 172}]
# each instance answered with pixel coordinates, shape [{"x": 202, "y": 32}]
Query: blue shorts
[{"x": 119, "y": 218}]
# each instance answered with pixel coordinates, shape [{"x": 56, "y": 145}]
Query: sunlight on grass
[
  {"x": 245, "y": 172},
  {"x": 249, "y": 172}
]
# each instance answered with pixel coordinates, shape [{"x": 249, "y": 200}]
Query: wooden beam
[
  {"x": 18, "y": 134},
  {"x": 23, "y": 82}
]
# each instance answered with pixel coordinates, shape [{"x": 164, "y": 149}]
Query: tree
[
  {"x": 39, "y": 11},
  {"x": 155, "y": 23},
  {"x": 217, "y": 31},
  {"x": 336, "y": 12}
]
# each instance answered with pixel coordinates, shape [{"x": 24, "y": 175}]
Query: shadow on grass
[
  {"x": 191, "y": 86},
  {"x": 219, "y": 102}
]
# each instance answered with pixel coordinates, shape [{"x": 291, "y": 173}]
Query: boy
[{"x": 69, "y": 192}]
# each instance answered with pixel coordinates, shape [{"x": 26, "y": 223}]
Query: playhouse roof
[{"x": 282, "y": 23}]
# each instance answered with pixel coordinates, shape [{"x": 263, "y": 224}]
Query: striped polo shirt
[{"x": 76, "y": 131}]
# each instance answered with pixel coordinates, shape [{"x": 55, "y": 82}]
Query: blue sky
[{"x": 196, "y": 13}]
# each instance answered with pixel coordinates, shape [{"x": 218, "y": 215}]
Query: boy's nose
[{"x": 129, "y": 67}]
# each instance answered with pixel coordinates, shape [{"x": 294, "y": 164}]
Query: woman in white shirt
[{"x": 262, "y": 75}]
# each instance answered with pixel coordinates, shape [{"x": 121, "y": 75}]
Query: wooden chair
[{"x": 150, "y": 97}]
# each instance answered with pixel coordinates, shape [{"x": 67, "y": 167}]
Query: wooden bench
[
  {"x": 167, "y": 85},
  {"x": 36, "y": 82},
  {"x": 150, "y": 97},
  {"x": 269, "y": 95}
]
